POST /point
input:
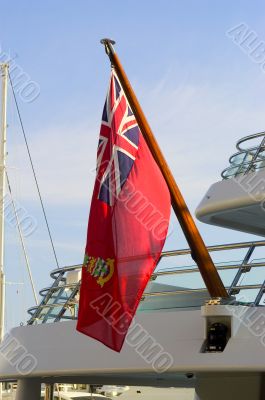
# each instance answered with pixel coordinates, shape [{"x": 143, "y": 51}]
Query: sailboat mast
[{"x": 4, "y": 76}]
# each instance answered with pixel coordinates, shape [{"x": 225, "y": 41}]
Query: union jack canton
[{"x": 118, "y": 143}]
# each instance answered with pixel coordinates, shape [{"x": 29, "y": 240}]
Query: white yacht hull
[{"x": 64, "y": 355}]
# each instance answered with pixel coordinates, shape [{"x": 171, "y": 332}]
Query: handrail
[
  {"x": 182, "y": 271},
  {"x": 62, "y": 295},
  {"x": 66, "y": 269},
  {"x": 218, "y": 247},
  {"x": 170, "y": 253},
  {"x": 151, "y": 294},
  {"x": 244, "y": 166},
  {"x": 249, "y": 137}
]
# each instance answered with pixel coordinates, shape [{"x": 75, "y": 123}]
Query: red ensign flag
[{"x": 127, "y": 226}]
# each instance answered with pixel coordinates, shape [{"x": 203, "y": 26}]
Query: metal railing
[
  {"x": 60, "y": 301},
  {"x": 249, "y": 158}
]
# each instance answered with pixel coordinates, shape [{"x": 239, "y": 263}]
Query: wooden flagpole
[{"x": 199, "y": 251}]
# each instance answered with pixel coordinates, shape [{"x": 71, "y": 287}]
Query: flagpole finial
[{"x": 108, "y": 43}]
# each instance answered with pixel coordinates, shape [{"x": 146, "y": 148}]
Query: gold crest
[{"x": 102, "y": 270}]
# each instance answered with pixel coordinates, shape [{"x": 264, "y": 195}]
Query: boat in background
[{"x": 111, "y": 392}]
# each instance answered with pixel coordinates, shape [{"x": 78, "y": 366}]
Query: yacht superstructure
[{"x": 238, "y": 200}]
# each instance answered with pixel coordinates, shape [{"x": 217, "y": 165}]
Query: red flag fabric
[{"x": 127, "y": 226}]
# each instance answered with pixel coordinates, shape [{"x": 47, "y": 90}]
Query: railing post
[
  {"x": 262, "y": 145},
  {"x": 241, "y": 269}
]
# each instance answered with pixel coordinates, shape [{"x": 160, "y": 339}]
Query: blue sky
[{"x": 200, "y": 92}]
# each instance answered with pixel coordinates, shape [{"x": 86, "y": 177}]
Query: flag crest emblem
[{"x": 101, "y": 270}]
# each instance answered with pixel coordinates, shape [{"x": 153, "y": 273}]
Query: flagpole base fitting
[
  {"x": 221, "y": 322},
  {"x": 217, "y": 301}
]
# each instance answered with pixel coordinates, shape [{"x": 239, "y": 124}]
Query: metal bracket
[{"x": 216, "y": 301}]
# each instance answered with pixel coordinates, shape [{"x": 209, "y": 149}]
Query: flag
[{"x": 127, "y": 226}]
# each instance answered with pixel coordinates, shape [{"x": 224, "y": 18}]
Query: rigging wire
[
  {"x": 33, "y": 170},
  {"x": 22, "y": 241}
]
